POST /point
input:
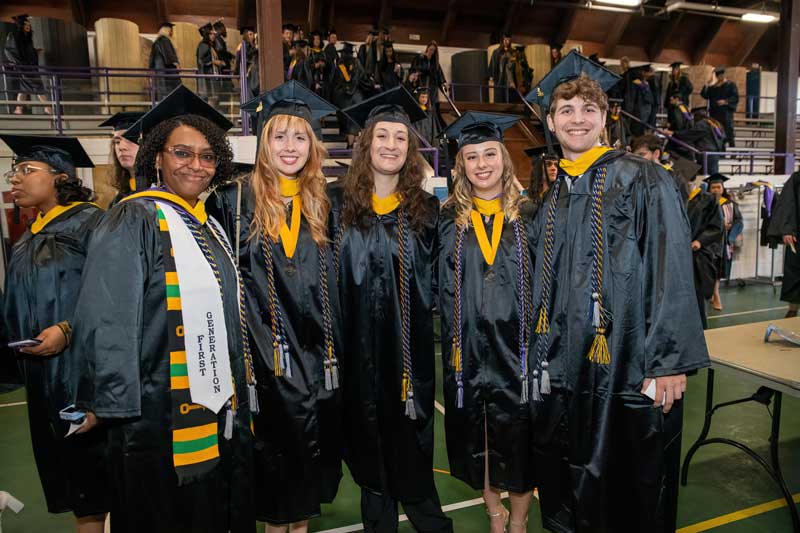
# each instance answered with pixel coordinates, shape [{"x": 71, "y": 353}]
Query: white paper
[
  {"x": 650, "y": 392},
  {"x": 10, "y": 502},
  {"x": 73, "y": 428}
]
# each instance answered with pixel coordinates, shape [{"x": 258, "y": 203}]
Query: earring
[{"x": 158, "y": 177}]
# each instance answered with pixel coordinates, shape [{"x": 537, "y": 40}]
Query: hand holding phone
[{"x": 24, "y": 343}]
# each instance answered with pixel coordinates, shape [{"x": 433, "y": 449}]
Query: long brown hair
[
  {"x": 270, "y": 211},
  {"x": 461, "y": 199},
  {"x": 359, "y": 185},
  {"x": 121, "y": 178}
]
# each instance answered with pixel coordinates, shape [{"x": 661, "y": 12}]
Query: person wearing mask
[
  {"x": 123, "y": 155},
  {"x": 41, "y": 285},
  {"x": 160, "y": 329},
  {"x": 384, "y": 230},
  {"x": 20, "y": 51},
  {"x": 164, "y": 57},
  {"x": 484, "y": 266},
  {"x": 723, "y": 98}
]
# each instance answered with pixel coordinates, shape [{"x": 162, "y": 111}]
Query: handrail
[
  {"x": 450, "y": 101},
  {"x": 662, "y": 133},
  {"x": 529, "y": 106}
]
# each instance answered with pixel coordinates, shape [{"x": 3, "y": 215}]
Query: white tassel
[
  {"x": 537, "y": 395},
  {"x": 545, "y": 386},
  {"x": 595, "y": 310},
  {"x": 328, "y": 377},
  {"x": 411, "y": 411},
  {"x": 524, "y": 394},
  {"x": 251, "y": 390},
  {"x": 228, "y": 434},
  {"x": 287, "y": 365},
  {"x": 335, "y": 374}
]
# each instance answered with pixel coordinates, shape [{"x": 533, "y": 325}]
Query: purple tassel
[{"x": 460, "y": 396}]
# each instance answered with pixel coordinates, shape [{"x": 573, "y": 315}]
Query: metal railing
[{"x": 483, "y": 92}]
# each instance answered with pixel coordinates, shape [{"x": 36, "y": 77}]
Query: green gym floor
[{"x": 727, "y": 491}]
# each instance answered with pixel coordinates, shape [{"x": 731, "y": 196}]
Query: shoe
[
  {"x": 503, "y": 514},
  {"x": 523, "y": 524}
]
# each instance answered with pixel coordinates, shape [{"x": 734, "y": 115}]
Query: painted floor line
[
  {"x": 12, "y": 404},
  {"x": 439, "y": 407},
  {"x": 712, "y": 317},
  {"x": 738, "y": 515}
]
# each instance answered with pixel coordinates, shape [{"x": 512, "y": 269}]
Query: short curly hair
[
  {"x": 582, "y": 86},
  {"x": 155, "y": 140},
  {"x": 70, "y": 189}
]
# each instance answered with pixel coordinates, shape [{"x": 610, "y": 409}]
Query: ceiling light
[
  {"x": 625, "y": 3},
  {"x": 763, "y": 18}
]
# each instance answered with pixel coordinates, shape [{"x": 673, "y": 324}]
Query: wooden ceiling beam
[
  {"x": 707, "y": 37},
  {"x": 664, "y": 35},
  {"x": 449, "y": 19},
  {"x": 747, "y": 45},
  {"x": 618, "y": 28},
  {"x": 564, "y": 29}
]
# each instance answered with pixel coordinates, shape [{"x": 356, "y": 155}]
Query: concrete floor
[{"x": 725, "y": 494}]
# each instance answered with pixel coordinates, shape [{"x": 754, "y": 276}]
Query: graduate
[
  {"x": 160, "y": 326},
  {"x": 485, "y": 264},
  {"x": 784, "y": 226},
  {"x": 293, "y": 312},
  {"x": 41, "y": 285},
  {"x": 318, "y": 64},
  {"x": 544, "y": 170},
  {"x": 615, "y": 316},
  {"x": 679, "y": 83},
  {"x": 348, "y": 85},
  {"x": 384, "y": 233},
  {"x": 642, "y": 102},
  {"x": 707, "y": 237},
  {"x": 732, "y": 227},
  {"x": 723, "y": 98},
  {"x": 123, "y": 155},
  {"x": 617, "y": 127}
]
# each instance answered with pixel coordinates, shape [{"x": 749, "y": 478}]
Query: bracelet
[{"x": 66, "y": 329}]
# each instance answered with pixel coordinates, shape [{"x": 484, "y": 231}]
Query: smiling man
[{"x": 617, "y": 327}]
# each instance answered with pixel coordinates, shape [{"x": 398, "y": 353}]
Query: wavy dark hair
[
  {"x": 70, "y": 189},
  {"x": 359, "y": 184},
  {"x": 155, "y": 140}
]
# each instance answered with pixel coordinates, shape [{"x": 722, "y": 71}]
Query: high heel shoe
[{"x": 502, "y": 514}]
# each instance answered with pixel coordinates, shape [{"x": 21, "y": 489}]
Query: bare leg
[
  {"x": 91, "y": 524},
  {"x": 20, "y": 98},
  {"x": 716, "y": 303},
  {"x": 43, "y": 98},
  {"x": 498, "y": 514},
  {"x": 520, "y": 503},
  {"x": 792, "y": 312},
  {"x": 299, "y": 527},
  {"x": 276, "y": 529}
]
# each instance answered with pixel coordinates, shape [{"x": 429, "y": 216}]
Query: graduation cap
[
  {"x": 596, "y": 59},
  {"x": 716, "y": 178},
  {"x": 684, "y": 167},
  {"x": 290, "y": 98},
  {"x": 719, "y": 70},
  {"x": 675, "y": 64},
  {"x": 289, "y": 27},
  {"x": 506, "y": 35},
  {"x": 300, "y": 43},
  {"x": 166, "y": 24},
  {"x": 21, "y": 19},
  {"x": 205, "y": 29},
  {"x": 332, "y": 31},
  {"x": 62, "y": 153},
  {"x": 394, "y": 105},
  {"x": 315, "y": 33},
  {"x": 218, "y": 24},
  {"x": 545, "y": 151},
  {"x": 373, "y": 31},
  {"x": 568, "y": 69},
  {"x": 475, "y": 127},
  {"x": 245, "y": 29},
  {"x": 180, "y": 101},
  {"x": 122, "y": 120}
]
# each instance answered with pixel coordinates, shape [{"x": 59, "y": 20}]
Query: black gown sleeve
[
  {"x": 784, "y": 212},
  {"x": 110, "y": 308},
  {"x": 674, "y": 342}
]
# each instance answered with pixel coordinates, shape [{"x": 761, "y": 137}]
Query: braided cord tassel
[
  {"x": 522, "y": 311},
  {"x": 250, "y": 374},
  {"x": 599, "y": 352},
  {"x": 543, "y": 323},
  {"x": 331, "y": 363},
  {"x": 456, "y": 356},
  {"x": 407, "y": 392},
  {"x": 337, "y": 246},
  {"x": 280, "y": 350}
]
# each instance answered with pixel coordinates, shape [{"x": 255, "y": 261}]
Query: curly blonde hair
[
  {"x": 461, "y": 198},
  {"x": 270, "y": 211}
]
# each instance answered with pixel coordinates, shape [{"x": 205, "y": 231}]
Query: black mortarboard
[
  {"x": 302, "y": 43},
  {"x": 289, "y": 27},
  {"x": 218, "y": 24},
  {"x": 569, "y": 68},
  {"x": 62, "y": 153},
  {"x": 675, "y": 64},
  {"x": 394, "y": 105},
  {"x": 373, "y": 31},
  {"x": 684, "y": 167},
  {"x": 596, "y": 59},
  {"x": 122, "y": 120},
  {"x": 474, "y": 127},
  {"x": 332, "y": 31},
  {"x": 716, "y": 178},
  {"x": 346, "y": 51},
  {"x": 719, "y": 70},
  {"x": 547, "y": 151},
  {"x": 244, "y": 29},
  {"x": 180, "y": 101},
  {"x": 20, "y": 19},
  {"x": 166, "y": 25},
  {"x": 290, "y": 98},
  {"x": 506, "y": 35},
  {"x": 315, "y": 33},
  {"x": 205, "y": 29}
]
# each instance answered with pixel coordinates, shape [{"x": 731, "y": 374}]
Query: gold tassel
[
  {"x": 454, "y": 355},
  {"x": 599, "y": 352},
  {"x": 276, "y": 359},
  {"x": 404, "y": 392},
  {"x": 543, "y": 325}
]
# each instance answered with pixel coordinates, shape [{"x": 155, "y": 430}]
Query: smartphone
[
  {"x": 72, "y": 414},
  {"x": 25, "y": 343}
]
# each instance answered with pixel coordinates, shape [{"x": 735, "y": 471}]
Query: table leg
[
  {"x": 706, "y": 426},
  {"x": 776, "y": 465}
]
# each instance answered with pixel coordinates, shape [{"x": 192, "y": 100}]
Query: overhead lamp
[
  {"x": 763, "y": 18},
  {"x": 622, "y": 3}
]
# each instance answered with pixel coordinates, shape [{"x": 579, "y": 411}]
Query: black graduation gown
[
  {"x": 42, "y": 283},
  {"x": 164, "y": 56},
  {"x": 347, "y": 92},
  {"x": 706, "y": 224},
  {"x": 723, "y": 113},
  {"x": 491, "y": 358},
  {"x": 606, "y": 459},
  {"x": 642, "y": 105},
  {"x": 121, "y": 330},
  {"x": 431, "y": 75},
  {"x": 683, "y": 87},
  {"x": 319, "y": 74},
  {"x": 301, "y": 72},
  {"x": 386, "y": 451},
  {"x": 298, "y": 440},
  {"x": 618, "y": 132},
  {"x": 786, "y": 221},
  {"x": 19, "y": 50}
]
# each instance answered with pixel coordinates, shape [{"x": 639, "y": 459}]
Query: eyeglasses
[
  {"x": 25, "y": 170},
  {"x": 185, "y": 156}
]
